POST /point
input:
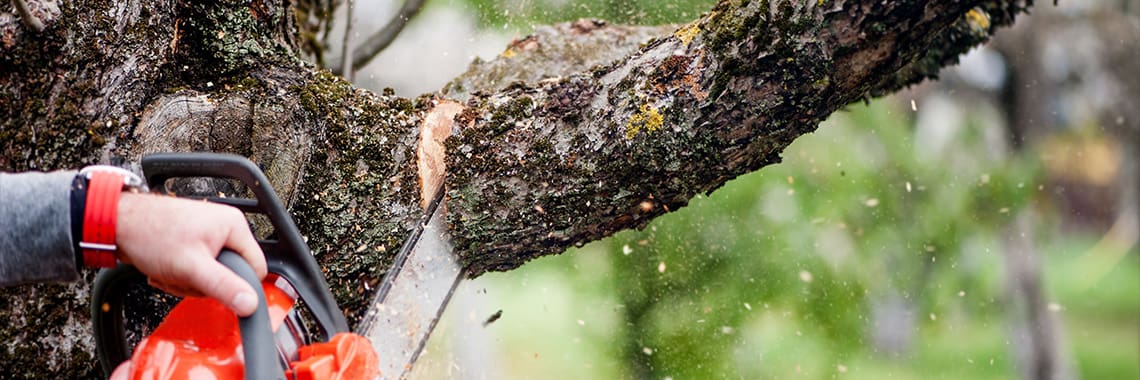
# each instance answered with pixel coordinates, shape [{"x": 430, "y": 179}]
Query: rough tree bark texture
[{"x": 538, "y": 160}]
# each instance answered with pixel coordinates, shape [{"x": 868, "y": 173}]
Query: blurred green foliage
[{"x": 853, "y": 214}]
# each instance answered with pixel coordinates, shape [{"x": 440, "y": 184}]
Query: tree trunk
[{"x": 532, "y": 168}]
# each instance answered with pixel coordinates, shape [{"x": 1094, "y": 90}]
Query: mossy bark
[{"x": 561, "y": 155}]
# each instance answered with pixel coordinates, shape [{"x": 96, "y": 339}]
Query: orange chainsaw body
[{"x": 200, "y": 340}]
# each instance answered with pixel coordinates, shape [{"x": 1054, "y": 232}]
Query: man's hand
[{"x": 175, "y": 242}]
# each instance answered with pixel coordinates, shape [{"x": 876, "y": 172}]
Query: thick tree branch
[
  {"x": 542, "y": 167},
  {"x": 553, "y": 52}
]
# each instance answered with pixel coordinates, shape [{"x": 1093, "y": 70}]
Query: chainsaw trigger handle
[{"x": 256, "y": 336}]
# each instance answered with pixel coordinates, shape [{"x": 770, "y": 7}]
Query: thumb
[{"x": 216, "y": 281}]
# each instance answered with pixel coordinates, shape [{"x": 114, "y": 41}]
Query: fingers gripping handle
[
  {"x": 287, "y": 255},
  {"x": 256, "y": 337}
]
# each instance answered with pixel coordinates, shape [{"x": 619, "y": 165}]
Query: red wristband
[{"x": 100, "y": 216}]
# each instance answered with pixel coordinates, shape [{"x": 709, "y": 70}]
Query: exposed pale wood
[{"x": 431, "y": 154}]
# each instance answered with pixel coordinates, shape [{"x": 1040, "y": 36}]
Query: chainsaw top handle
[{"x": 285, "y": 250}]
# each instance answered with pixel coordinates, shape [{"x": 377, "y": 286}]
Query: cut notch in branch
[{"x": 431, "y": 153}]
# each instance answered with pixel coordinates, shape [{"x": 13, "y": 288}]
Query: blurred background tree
[{"x": 981, "y": 226}]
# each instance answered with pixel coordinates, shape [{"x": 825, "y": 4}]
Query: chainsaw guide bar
[{"x": 413, "y": 294}]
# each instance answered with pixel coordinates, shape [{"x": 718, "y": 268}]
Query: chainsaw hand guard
[{"x": 285, "y": 252}]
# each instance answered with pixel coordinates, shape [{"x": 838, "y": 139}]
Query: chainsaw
[{"x": 202, "y": 339}]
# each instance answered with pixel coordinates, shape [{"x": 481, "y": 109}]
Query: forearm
[{"x": 35, "y": 228}]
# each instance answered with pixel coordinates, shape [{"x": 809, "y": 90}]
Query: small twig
[
  {"x": 346, "y": 68},
  {"x": 377, "y": 42},
  {"x": 30, "y": 20}
]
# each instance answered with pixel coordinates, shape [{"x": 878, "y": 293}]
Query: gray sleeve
[{"x": 35, "y": 228}]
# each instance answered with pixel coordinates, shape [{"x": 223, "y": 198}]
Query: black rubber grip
[{"x": 257, "y": 343}]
